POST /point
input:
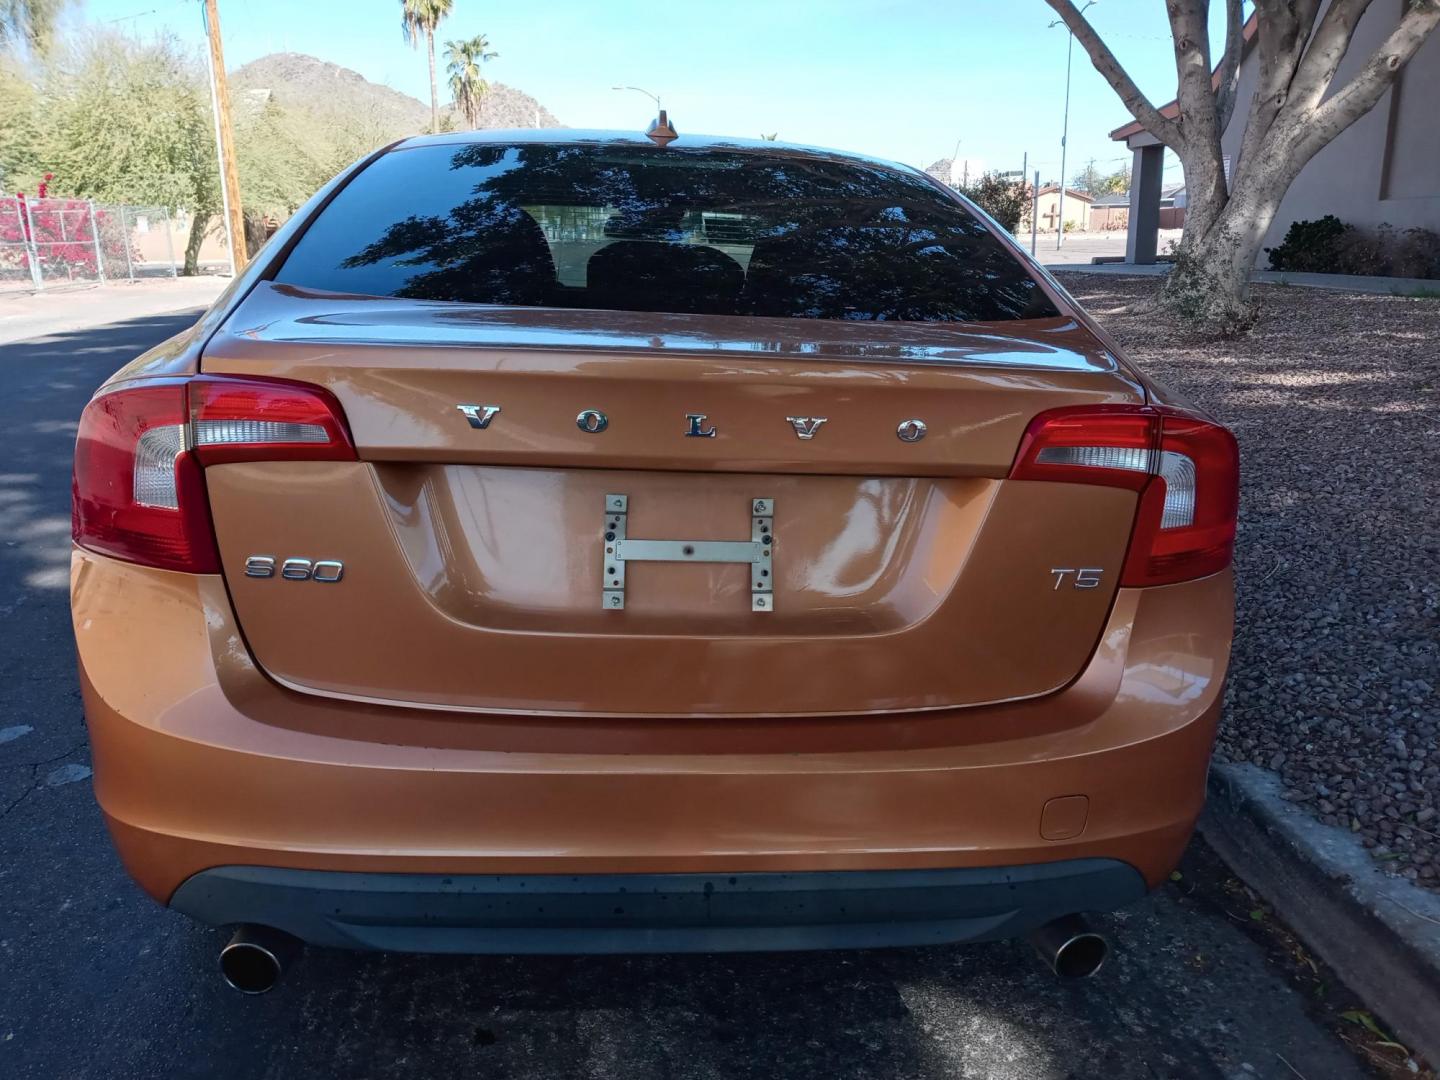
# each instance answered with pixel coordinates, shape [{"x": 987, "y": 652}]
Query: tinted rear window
[{"x": 670, "y": 230}]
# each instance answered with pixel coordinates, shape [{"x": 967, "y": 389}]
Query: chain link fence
[{"x": 48, "y": 242}]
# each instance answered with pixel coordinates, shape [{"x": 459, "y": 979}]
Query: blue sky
[{"x": 902, "y": 79}]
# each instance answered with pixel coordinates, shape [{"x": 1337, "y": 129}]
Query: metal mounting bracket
[{"x": 757, "y": 552}]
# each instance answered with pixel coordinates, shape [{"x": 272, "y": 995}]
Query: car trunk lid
[{"x": 902, "y": 570}]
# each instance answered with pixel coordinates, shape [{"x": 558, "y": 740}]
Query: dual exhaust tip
[{"x": 257, "y": 956}]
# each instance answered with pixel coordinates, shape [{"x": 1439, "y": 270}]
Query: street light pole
[
  {"x": 661, "y": 132},
  {"x": 653, "y": 97},
  {"x": 1065, "y": 128}
]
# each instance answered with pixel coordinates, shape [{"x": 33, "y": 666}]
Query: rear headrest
[
  {"x": 645, "y": 275},
  {"x": 652, "y": 223}
]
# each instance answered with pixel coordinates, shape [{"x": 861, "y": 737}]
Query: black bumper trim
[{"x": 655, "y": 913}]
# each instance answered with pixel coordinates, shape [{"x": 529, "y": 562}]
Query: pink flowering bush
[{"x": 59, "y": 231}]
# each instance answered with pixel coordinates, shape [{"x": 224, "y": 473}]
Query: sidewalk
[
  {"x": 30, "y": 315},
  {"x": 1081, "y": 247},
  {"x": 1353, "y": 283}
]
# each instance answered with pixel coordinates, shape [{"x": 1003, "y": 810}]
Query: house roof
[
  {"x": 1121, "y": 198},
  {"x": 1070, "y": 193},
  {"x": 1172, "y": 110}
]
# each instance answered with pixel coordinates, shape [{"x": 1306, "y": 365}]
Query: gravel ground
[{"x": 1335, "y": 399}]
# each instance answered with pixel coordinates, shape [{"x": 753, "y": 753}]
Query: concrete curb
[{"x": 1381, "y": 934}]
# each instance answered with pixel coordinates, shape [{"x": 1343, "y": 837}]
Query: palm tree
[
  {"x": 467, "y": 86},
  {"x": 423, "y": 17},
  {"x": 28, "y": 21}
]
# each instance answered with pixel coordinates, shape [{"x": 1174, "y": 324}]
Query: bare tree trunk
[
  {"x": 1294, "y": 114},
  {"x": 1210, "y": 285},
  {"x": 198, "y": 224},
  {"x": 434, "y": 92},
  {"x": 255, "y": 232}
]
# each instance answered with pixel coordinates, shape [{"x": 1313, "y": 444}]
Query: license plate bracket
[{"x": 618, "y": 549}]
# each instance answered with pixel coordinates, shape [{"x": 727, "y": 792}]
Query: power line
[{"x": 150, "y": 11}]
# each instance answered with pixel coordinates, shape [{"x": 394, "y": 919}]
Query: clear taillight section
[
  {"x": 236, "y": 419},
  {"x": 138, "y": 491},
  {"x": 155, "y": 455},
  {"x": 1186, "y": 469}
]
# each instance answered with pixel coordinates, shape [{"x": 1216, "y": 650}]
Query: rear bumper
[
  {"x": 201, "y": 762},
  {"x": 650, "y": 913}
]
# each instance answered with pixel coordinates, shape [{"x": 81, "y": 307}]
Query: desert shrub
[
  {"x": 1366, "y": 253},
  {"x": 1311, "y": 246},
  {"x": 1416, "y": 254},
  {"x": 1329, "y": 246}
]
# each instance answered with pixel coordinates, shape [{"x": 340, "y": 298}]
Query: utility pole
[
  {"x": 225, "y": 143},
  {"x": 1034, "y": 212},
  {"x": 1065, "y": 130}
]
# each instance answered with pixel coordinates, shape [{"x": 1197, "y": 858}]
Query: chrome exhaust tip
[
  {"x": 256, "y": 957},
  {"x": 1070, "y": 947}
]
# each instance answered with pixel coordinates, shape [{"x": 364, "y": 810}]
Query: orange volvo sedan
[{"x": 559, "y": 542}]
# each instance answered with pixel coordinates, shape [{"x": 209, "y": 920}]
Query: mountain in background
[{"x": 368, "y": 112}]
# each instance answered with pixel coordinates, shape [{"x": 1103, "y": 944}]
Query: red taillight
[
  {"x": 1186, "y": 469},
  {"x": 138, "y": 491},
  {"x": 1185, "y": 527}
]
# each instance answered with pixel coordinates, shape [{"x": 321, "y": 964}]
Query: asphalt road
[{"x": 96, "y": 981}]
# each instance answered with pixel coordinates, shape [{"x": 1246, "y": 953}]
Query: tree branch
[
  {"x": 1189, "y": 27},
  {"x": 1284, "y": 28},
  {"x": 1360, "y": 94},
  {"x": 1325, "y": 50},
  {"x": 1167, "y": 131},
  {"x": 1229, "y": 80}
]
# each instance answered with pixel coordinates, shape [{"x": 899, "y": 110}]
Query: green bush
[
  {"x": 1311, "y": 246},
  {"x": 1004, "y": 200}
]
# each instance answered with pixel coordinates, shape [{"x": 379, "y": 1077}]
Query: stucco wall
[{"x": 1349, "y": 177}]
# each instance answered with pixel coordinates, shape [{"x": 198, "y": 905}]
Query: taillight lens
[
  {"x": 1186, "y": 469},
  {"x": 1185, "y": 527},
  {"x": 138, "y": 491},
  {"x": 266, "y": 420},
  {"x": 137, "y": 494}
]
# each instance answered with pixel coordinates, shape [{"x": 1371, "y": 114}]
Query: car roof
[{"x": 638, "y": 140}]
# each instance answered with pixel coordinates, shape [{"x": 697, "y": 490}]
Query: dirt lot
[{"x": 1334, "y": 399}]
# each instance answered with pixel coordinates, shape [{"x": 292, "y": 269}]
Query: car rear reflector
[
  {"x": 1186, "y": 469},
  {"x": 138, "y": 489}
]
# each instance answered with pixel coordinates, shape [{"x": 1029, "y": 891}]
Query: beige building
[
  {"x": 1077, "y": 210},
  {"x": 1384, "y": 168},
  {"x": 158, "y": 240}
]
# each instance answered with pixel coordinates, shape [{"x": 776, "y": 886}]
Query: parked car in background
[{"x": 556, "y": 542}]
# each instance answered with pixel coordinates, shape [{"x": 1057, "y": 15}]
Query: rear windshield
[{"x": 667, "y": 230}]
